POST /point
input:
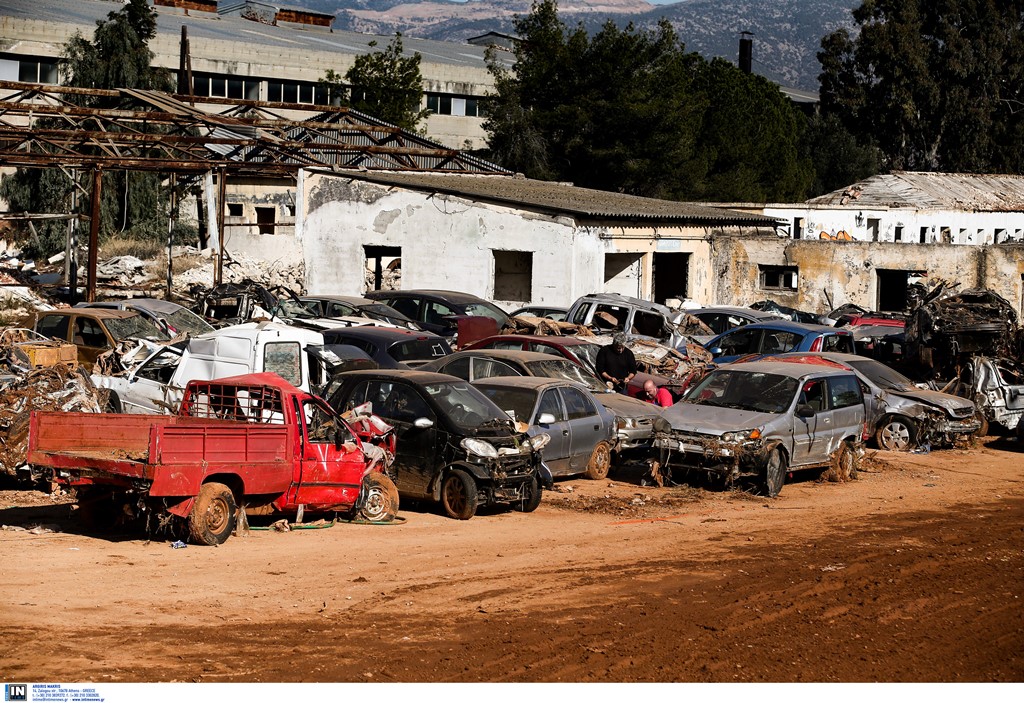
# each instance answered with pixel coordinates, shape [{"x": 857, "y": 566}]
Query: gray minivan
[{"x": 760, "y": 420}]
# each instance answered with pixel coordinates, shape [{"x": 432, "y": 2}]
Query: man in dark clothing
[{"x": 616, "y": 364}]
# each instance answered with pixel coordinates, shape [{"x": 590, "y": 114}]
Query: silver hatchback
[{"x": 760, "y": 420}]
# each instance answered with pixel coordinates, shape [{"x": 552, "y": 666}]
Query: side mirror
[
  {"x": 423, "y": 423},
  {"x": 805, "y": 411},
  {"x": 716, "y": 351},
  {"x": 546, "y": 419}
]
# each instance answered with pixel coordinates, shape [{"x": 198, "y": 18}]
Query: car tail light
[
  {"x": 816, "y": 346},
  {"x": 864, "y": 435}
]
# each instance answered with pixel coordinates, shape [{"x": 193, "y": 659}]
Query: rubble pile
[
  {"x": 528, "y": 324},
  {"x": 58, "y": 387},
  {"x": 123, "y": 271},
  {"x": 240, "y": 268}
]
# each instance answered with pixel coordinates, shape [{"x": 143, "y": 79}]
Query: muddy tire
[
  {"x": 213, "y": 515},
  {"x": 531, "y": 497},
  {"x": 774, "y": 473},
  {"x": 983, "y": 430},
  {"x": 896, "y": 434},
  {"x": 381, "y": 503},
  {"x": 846, "y": 466},
  {"x": 113, "y": 404},
  {"x": 600, "y": 462},
  {"x": 458, "y": 495}
]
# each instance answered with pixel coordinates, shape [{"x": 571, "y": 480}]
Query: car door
[
  {"x": 439, "y": 318},
  {"x": 329, "y": 476},
  {"x": 556, "y": 453},
  {"x": 847, "y": 402},
  {"x": 736, "y": 343},
  {"x": 484, "y": 367},
  {"x": 584, "y": 427},
  {"x": 400, "y": 404},
  {"x": 812, "y": 436},
  {"x": 147, "y": 389},
  {"x": 91, "y": 338}
]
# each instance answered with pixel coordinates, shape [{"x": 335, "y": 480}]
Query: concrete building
[
  {"x": 513, "y": 240},
  {"x": 254, "y": 51}
]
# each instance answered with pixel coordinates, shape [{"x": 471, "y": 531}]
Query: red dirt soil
[{"x": 914, "y": 572}]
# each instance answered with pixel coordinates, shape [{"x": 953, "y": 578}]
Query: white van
[{"x": 156, "y": 385}]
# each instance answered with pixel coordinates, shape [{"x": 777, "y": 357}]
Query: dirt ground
[{"x": 914, "y": 572}]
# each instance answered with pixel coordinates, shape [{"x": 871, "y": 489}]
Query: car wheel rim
[
  {"x": 896, "y": 436},
  {"x": 217, "y": 515},
  {"x": 454, "y": 496},
  {"x": 376, "y": 506}
]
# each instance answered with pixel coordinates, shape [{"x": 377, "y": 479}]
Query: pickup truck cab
[{"x": 252, "y": 445}]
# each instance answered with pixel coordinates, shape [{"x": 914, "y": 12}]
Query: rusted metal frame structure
[{"x": 158, "y": 132}]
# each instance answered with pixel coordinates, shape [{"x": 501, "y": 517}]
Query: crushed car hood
[
  {"x": 937, "y": 398},
  {"x": 708, "y": 419}
]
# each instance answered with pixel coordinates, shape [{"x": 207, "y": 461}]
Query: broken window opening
[
  {"x": 892, "y": 288},
  {"x": 513, "y": 275},
  {"x": 671, "y": 276},
  {"x": 780, "y": 278},
  {"x": 924, "y": 235},
  {"x": 898, "y": 234},
  {"x": 234, "y": 209},
  {"x": 383, "y": 266},
  {"x": 873, "y": 226},
  {"x": 266, "y": 217},
  {"x": 798, "y": 228}
]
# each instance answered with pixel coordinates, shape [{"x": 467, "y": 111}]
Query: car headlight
[
  {"x": 625, "y": 423},
  {"x": 540, "y": 441},
  {"x": 745, "y": 435},
  {"x": 479, "y": 447},
  {"x": 662, "y": 425}
]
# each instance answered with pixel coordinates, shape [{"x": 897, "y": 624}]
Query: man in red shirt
[{"x": 658, "y": 396}]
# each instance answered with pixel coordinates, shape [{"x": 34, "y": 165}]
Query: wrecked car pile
[{"x": 36, "y": 375}]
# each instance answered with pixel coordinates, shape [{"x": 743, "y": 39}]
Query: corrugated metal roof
[
  {"x": 85, "y": 13},
  {"x": 563, "y": 198},
  {"x": 932, "y": 191}
]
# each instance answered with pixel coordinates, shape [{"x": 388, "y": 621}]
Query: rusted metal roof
[
  {"x": 563, "y": 198},
  {"x": 932, "y": 191}
]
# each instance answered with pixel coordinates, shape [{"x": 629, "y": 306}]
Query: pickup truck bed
[{"x": 120, "y": 449}]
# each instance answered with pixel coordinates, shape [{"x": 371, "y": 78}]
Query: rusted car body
[
  {"x": 253, "y": 441},
  {"x": 758, "y": 421}
]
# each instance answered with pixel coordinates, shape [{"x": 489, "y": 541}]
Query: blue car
[{"x": 769, "y": 338}]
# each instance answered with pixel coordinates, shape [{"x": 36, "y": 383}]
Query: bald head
[{"x": 650, "y": 388}]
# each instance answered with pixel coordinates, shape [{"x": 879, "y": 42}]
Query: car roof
[
  {"x": 382, "y": 334},
  {"x": 532, "y": 382},
  {"x": 787, "y": 368},
  {"x": 412, "y": 375},
  {"x": 517, "y": 354},
  {"x": 451, "y": 295},
  {"x": 98, "y": 313},
  {"x": 545, "y": 338},
  {"x": 790, "y": 326},
  {"x": 751, "y": 312},
  {"x": 619, "y": 299},
  {"x": 351, "y": 299}
]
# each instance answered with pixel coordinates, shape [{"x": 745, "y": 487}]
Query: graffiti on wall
[{"x": 840, "y": 236}]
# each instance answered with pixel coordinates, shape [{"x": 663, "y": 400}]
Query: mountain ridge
[{"x": 787, "y": 34}]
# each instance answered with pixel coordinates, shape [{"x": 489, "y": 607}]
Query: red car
[{"x": 576, "y": 350}]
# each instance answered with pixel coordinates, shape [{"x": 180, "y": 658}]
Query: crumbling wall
[
  {"x": 833, "y": 273},
  {"x": 446, "y": 241}
]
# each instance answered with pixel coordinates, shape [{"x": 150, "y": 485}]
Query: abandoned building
[{"x": 243, "y": 49}]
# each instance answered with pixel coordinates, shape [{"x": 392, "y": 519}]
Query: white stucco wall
[
  {"x": 447, "y": 242},
  {"x": 941, "y": 226}
]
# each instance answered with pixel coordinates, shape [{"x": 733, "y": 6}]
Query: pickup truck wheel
[
  {"x": 213, "y": 516},
  {"x": 531, "y": 496},
  {"x": 458, "y": 495},
  {"x": 600, "y": 462},
  {"x": 774, "y": 473},
  {"x": 381, "y": 504},
  {"x": 983, "y": 430},
  {"x": 896, "y": 434}
]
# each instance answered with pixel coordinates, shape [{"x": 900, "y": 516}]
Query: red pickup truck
[{"x": 254, "y": 443}]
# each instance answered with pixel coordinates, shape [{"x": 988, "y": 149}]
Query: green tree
[
  {"x": 937, "y": 84},
  {"x": 631, "y": 111},
  {"x": 132, "y": 202},
  {"x": 385, "y": 84},
  {"x": 837, "y": 158}
]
